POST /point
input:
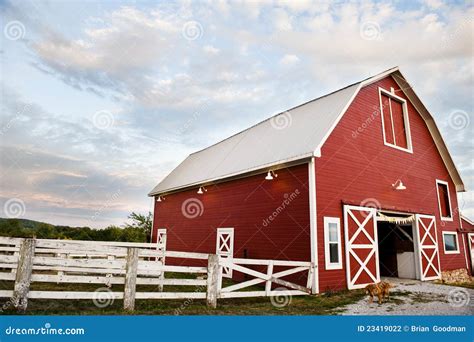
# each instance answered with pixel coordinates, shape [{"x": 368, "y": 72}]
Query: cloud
[
  {"x": 289, "y": 59},
  {"x": 175, "y": 93}
]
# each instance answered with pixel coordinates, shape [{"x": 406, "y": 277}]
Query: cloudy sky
[{"x": 100, "y": 100}]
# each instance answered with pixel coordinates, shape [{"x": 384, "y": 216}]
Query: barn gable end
[{"x": 355, "y": 156}]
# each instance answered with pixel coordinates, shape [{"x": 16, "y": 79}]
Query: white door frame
[
  {"x": 350, "y": 245},
  {"x": 421, "y": 247},
  {"x": 225, "y": 247},
  {"x": 470, "y": 238}
]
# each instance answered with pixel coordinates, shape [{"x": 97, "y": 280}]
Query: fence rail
[{"x": 130, "y": 264}]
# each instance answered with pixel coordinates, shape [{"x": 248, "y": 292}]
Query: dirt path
[{"x": 412, "y": 297}]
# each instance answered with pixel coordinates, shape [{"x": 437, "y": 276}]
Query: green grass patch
[{"x": 323, "y": 304}]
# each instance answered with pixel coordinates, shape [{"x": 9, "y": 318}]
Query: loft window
[
  {"x": 450, "y": 242},
  {"x": 332, "y": 243},
  {"x": 395, "y": 123},
  {"x": 444, "y": 201}
]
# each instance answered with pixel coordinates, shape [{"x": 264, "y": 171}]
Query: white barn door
[
  {"x": 470, "y": 237},
  {"x": 362, "y": 257},
  {"x": 225, "y": 247},
  {"x": 428, "y": 253},
  {"x": 161, "y": 240}
]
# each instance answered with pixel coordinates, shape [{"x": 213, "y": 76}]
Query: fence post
[
  {"x": 130, "y": 279},
  {"x": 23, "y": 274},
  {"x": 161, "y": 240},
  {"x": 212, "y": 280},
  {"x": 268, "y": 284}
]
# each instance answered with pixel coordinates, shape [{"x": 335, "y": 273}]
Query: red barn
[
  {"x": 359, "y": 182},
  {"x": 467, "y": 230}
]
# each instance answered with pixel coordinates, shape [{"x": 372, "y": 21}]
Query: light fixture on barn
[
  {"x": 398, "y": 185},
  {"x": 270, "y": 175},
  {"x": 201, "y": 190},
  {"x": 160, "y": 199}
]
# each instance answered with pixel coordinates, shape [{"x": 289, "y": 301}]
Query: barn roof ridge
[
  {"x": 260, "y": 147},
  {"x": 294, "y": 107},
  {"x": 277, "y": 114}
]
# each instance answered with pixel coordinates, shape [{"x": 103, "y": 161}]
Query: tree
[{"x": 140, "y": 227}]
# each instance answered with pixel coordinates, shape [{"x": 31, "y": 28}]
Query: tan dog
[
  {"x": 385, "y": 287},
  {"x": 381, "y": 290},
  {"x": 374, "y": 290}
]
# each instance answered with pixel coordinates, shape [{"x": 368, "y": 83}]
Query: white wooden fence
[{"x": 130, "y": 264}]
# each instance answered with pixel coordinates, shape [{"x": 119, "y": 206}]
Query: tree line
[{"x": 137, "y": 230}]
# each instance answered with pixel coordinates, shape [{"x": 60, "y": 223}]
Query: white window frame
[
  {"x": 443, "y": 218},
  {"x": 332, "y": 265},
  {"x": 406, "y": 121},
  {"x": 457, "y": 251}
]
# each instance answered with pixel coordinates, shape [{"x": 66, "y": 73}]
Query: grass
[{"x": 323, "y": 304}]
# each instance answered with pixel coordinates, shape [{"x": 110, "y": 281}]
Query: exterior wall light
[
  {"x": 398, "y": 185},
  {"x": 270, "y": 175}
]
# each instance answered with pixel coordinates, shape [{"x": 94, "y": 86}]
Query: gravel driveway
[{"x": 413, "y": 297}]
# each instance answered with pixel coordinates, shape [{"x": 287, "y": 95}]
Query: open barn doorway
[{"x": 396, "y": 246}]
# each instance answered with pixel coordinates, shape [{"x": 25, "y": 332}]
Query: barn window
[
  {"x": 395, "y": 123},
  {"x": 332, "y": 243},
  {"x": 450, "y": 241},
  {"x": 444, "y": 200}
]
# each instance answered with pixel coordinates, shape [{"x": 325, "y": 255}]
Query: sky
[{"x": 100, "y": 100}]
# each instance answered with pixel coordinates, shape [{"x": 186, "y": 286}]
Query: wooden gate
[
  {"x": 362, "y": 259},
  {"x": 427, "y": 245},
  {"x": 225, "y": 248}
]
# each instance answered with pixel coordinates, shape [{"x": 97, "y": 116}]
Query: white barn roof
[{"x": 295, "y": 134}]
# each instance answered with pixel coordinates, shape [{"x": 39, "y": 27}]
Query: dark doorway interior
[{"x": 394, "y": 243}]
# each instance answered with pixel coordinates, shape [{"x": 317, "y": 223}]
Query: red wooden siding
[
  {"x": 357, "y": 167},
  {"x": 244, "y": 204},
  {"x": 387, "y": 119},
  {"x": 398, "y": 123}
]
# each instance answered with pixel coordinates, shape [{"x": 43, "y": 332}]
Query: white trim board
[
  {"x": 458, "y": 250},
  {"x": 443, "y": 218},
  {"x": 328, "y": 264},
  {"x": 406, "y": 121},
  {"x": 313, "y": 217}
]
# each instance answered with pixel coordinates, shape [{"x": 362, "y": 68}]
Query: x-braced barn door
[
  {"x": 225, "y": 247},
  {"x": 362, "y": 259},
  {"x": 470, "y": 237},
  {"x": 427, "y": 240},
  {"x": 161, "y": 243}
]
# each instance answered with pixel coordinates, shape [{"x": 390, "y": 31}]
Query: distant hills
[{"x": 138, "y": 231}]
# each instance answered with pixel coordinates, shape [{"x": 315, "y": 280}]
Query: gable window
[
  {"x": 395, "y": 122},
  {"x": 444, "y": 200},
  {"x": 450, "y": 242},
  {"x": 332, "y": 243}
]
